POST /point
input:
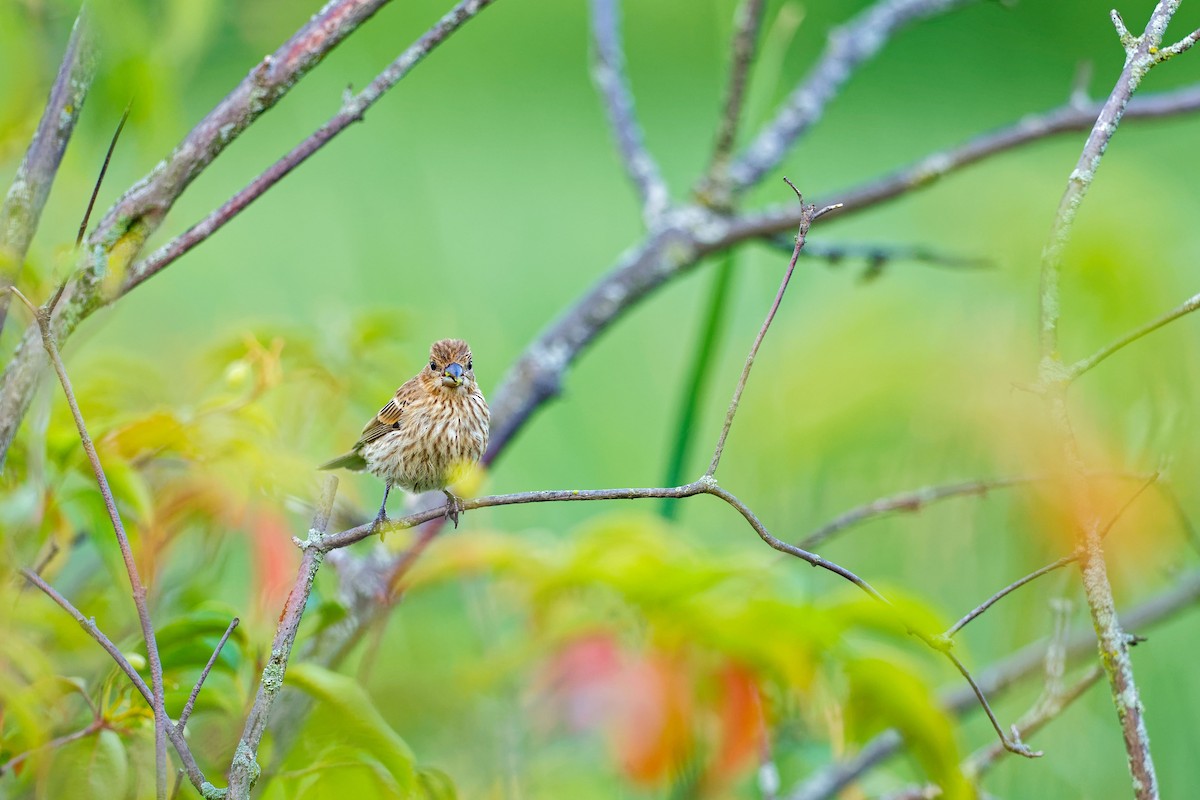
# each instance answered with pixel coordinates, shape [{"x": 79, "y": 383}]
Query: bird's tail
[{"x": 352, "y": 461}]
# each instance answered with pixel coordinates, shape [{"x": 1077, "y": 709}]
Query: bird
[{"x": 430, "y": 434}]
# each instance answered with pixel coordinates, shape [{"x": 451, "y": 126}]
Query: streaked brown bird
[{"x": 430, "y": 434}]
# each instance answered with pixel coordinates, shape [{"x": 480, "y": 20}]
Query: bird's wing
[{"x": 387, "y": 420}]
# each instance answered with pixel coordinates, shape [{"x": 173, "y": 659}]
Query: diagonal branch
[
  {"x": 847, "y": 48},
  {"x": 352, "y": 111},
  {"x": 608, "y": 72},
  {"x": 745, "y": 42},
  {"x": 89, "y": 625},
  {"x": 110, "y": 505},
  {"x": 1142, "y": 54},
  {"x": 910, "y": 502},
  {"x": 186, "y": 714},
  {"x": 22, "y": 209},
  {"x": 244, "y": 770},
  {"x": 139, "y": 212},
  {"x": 1086, "y": 364},
  {"x": 997, "y": 679},
  {"x": 808, "y": 215},
  {"x": 691, "y": 233}
]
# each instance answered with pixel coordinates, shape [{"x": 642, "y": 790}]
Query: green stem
[{"x": 698, "y": 378}]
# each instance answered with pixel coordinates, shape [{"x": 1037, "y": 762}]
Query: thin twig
[
  {"x": 1053, "y": 565},
  {"x": 1036, "y": 719},
  {"x": 806, "y": 219},
  {"x": 1008, "y": 741},
  {"x": 538, "y": 374},
  {"x": 135, "y": 582},
  {"x": 910, "y": 502},
  {"x": 112, "y": 145},
  {"x": 94, "y": 726},
  {"x": 22, "y": 209},
  {"x": 89, "y": 625},
  {"x": 352, "y": 110},
  {"x": 847, "y": 48},
  {"x": 191, "y": 701},
  {"x": 244, "y": 770},
  {"x": 1007, "y": 590},
  {"x": 747, "y": 25},
  {"x": 928, "y": 170},
  {"x": 879, "y": 256},
  {"x": 1142, "y": 54},
  {"x": 995, "y": 680},
  {"x": 608, "y": 73},
  {"x": 1086, "y": 364},
  {"x": 140, "y": 210}
]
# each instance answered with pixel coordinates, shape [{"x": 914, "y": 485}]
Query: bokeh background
[{"x": 588, "y": 650}]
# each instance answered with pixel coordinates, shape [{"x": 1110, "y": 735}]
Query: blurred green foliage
[{"x": 572, "y": 650}]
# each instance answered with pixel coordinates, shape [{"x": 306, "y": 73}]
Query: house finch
[{"x": 430, "y": 433}]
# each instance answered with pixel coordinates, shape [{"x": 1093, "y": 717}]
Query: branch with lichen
[
  {"x": 1142, "y": 53},
  {"x": 22, "y": 208},
  {"x": 608, "y": 73},
  {"x": 124, "y": 229},
  {"x": 996, "y": 680}
]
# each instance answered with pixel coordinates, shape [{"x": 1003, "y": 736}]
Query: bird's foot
[
  {"x": 454, "y": 507},
  {"x": 381, "y": 519}
]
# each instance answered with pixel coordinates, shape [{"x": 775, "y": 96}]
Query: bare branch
[
  {"x": 22, "y": 209},
  {"x": 806, "y": 219},
  {"x": 148, "y": 202},
  {"x": 880, "y": 256},
  {"x": 910, "y": 502},
  {"x": 1053, "y": 376},
  {"x": 847, "y": 48},
  {"x": 745, "y": 41},
  {"x": 608, "y": 72},
  {"x": 92, "y": 727},
  {"x": 995, "y": 680},
  {"x": 244, "y": 770},
  {"x": 140, "y": 211},
  {"x": 1062, "y": 562},
  {"x": 112, "y": 145},
  {"x": 352, "y": 111},
  {"x": 110, "y": 505},
  {"x": 89, "y": 625},
  {"x": 1044, "y": 712},
  {"x": 1086, "y": 364},
  {"x": 191, "y": 701},
  {"x": 931, "y": 168},
  {"x": 690, "y": 233},
  {"x": 1007, "y": 590}
]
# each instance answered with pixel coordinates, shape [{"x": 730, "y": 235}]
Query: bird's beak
[{"x": 453, "y": 374}]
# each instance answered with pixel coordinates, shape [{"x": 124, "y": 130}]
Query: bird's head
[{"x": 450, "y": 367}]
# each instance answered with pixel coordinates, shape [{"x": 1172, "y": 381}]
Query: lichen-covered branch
[
  {"x": 137, "y": 588},
  {"x": 1142, "y": 54},
  {"x": 847, "y": 47},
  {"x": 22, "y": 208},
  {"x": 244, "y": 770},
  {"x": 123, "y": 230},
  {"x": 996, "y": 680},
  {"x": 608, "y": 72}
]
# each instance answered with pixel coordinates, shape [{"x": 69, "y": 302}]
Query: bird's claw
[
  {"x": 453, "y": 508},
  {"x": 381, "y": 519}
]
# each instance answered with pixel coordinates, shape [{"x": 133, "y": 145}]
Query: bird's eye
[
  {"x": 470, "y": 364},
  {"x": 433, "y": 365}
]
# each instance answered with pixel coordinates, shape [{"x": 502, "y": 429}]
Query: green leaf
[
  {"x": 94, "y": 766},
  {"x": 435, "y": 785},
  {"x": 361, "y": 723},
  {"x": 883, "y": 694}
]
